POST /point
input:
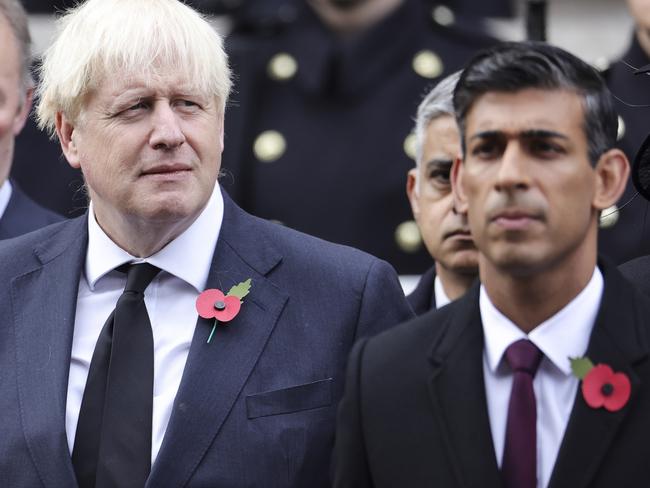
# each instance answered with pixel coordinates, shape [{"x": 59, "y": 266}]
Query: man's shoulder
[
  {"x": 414, "y": 339},
  {"x": 304, "y": 251},
  {"x": 19, "y": 253},
  {"x": 637, "y": 271},
  {"x": 24, "y": 215}
]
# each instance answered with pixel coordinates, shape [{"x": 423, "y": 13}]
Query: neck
[
  {"x": 346, "y": 22},
  {"x": 643, "y": 36},
  {"x": 455, "y": 284},
  {"x": 142, "y": 238},
  {"x": 529, "y": 300}
]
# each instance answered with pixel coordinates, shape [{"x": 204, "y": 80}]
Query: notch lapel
[
  {"x": 590, "y": 432},
  {"x": 458, "y": 396},
  {"x": 215, "y": 373},
  {"x": 44, "y": 303}
]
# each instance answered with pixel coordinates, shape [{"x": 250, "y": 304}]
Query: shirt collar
[
  {"x": 566, "y": 334},
  {"x": 5, "y": 196},
  {"x": 441, "y": 297},
  {"x": 187, "y": 257}
]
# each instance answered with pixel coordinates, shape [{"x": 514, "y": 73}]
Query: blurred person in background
[
  {"x": 625, "y": 234},
  {"x": 324, "y": 101},
  {"x": 445, "y": 231},
  {"x": 18, "y": 213}
]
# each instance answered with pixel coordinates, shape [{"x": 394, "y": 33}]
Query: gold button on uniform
[
  {"x": 409, "y": 146},
  {"x": 407, "y": 236},
  {"x": 601, "y": 63},
  {"x": 620, "y": 132},
  {"x": 608, "y": 217},
  {"x": 269, "y": 146},
  {"x": 443, "y": 15},
  {"x": 282, "y": 67},
  {"x": 427, "y": 64}
]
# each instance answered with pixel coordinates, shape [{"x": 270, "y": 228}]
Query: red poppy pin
[
  {"x": 213, "y": 304},
  {"x": 601, "y": 386}
]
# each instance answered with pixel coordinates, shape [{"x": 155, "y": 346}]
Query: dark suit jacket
[
  {"x": 414, "y": 412},
  {"x": 255, "y": 408},
  {"x": 638, "y": 272},
  {"x": 423, "y": 297},
  {"x": 24, "y": 215}
]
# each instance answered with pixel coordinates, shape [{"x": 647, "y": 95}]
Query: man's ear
[
  {"x": 411, "y": 191},
  {"x": 65, "y": 131},
  {"x": 612, "y": 172},
  {"x": 23, "y": 112},
  {"x": 460, "y": 199}
]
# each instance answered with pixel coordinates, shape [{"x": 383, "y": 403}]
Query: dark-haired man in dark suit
[{"x": 483, "y": 392}]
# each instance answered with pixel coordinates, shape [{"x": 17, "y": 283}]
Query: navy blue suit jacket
[
  {"x": 255, "y": 408},
  {"x": 24, "y": 215}
]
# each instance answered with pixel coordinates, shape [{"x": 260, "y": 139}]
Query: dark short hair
[{"x": 513, "y": 66}]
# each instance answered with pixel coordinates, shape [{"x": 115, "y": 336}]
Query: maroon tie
[{"x": 519, "y": 466}]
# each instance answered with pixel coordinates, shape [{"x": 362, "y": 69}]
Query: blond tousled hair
[{"x": 99, "y": 38}]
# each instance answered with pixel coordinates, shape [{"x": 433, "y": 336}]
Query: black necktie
[{"x": 112, "y": 445}]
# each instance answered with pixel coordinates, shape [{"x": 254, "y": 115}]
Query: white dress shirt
[
  {"x": 5, "y": 196},
  {"x": 441, "y": 297},
  {"x": 564, "y": 335},
  {"x": 170, "y": 301}
]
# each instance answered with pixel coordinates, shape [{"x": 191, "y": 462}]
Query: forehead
[
  {"x": 9, "y": 53},
  {"x": 126, "y": 85},
  {"x": 530, "y": 109},
  {"x": 441, "y": 135}
]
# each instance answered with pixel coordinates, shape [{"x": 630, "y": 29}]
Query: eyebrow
[
  {"x": 439, "y": 162},
  {"x": 527, "y": 134}
]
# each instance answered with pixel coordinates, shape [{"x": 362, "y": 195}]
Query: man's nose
[
  {"x": 166, "y": 132},
  {"x": 513, "y": 171}
]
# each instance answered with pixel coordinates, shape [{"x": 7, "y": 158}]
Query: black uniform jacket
[{"x": 316, "y": 132}]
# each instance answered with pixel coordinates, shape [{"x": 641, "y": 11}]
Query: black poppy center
[
  {"x": 219, "y": 305},
  {"x": 607, "y": 389}
]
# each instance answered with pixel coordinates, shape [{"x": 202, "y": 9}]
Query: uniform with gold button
[
  {"x": 318, "y": 131},
  {"x": 625, "y": 234}
]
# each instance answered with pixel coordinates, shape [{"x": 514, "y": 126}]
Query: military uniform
[
  {"x": 318, "y": 131},
  {"x": 629, "y": 237}
]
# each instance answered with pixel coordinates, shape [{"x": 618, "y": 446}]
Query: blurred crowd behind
[{"x": 319, "y": 126}]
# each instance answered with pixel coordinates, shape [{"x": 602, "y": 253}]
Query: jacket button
[
  {"x": 427, "y": 64},
  {"x": 443, "y": 15},
  {"x": 608, "y": 217},
  {"x": 269, "y": 146},
  {"x": 282, "y": 67},
  {"x": 407, "y": 236}
]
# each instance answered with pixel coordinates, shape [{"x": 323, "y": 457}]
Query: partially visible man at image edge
[
  {"x": 482, "y": 392},
  {"x": 135, "y": 91},
  {"x": 19, "y": 214},
  {"x": 444, "y": 230}
]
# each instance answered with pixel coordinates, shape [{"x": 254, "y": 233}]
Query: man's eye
[
  {"x": 186, "y": 103},
  {"x": 486, "y": 150},
  {"x": 439, "y": 176},
  {"x": 137, "y": 106},
  {"x": 544, "y": 148}
]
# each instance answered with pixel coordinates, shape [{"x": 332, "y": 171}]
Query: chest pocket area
[{"x": 292, "y": 399}]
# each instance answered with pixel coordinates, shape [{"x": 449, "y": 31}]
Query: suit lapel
[
  {"x": 215, "y": 373},
  {"x": 458, "y": 396},
  {"x": 44, "y": 304},
  {"x": 614, "y": 341}
]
